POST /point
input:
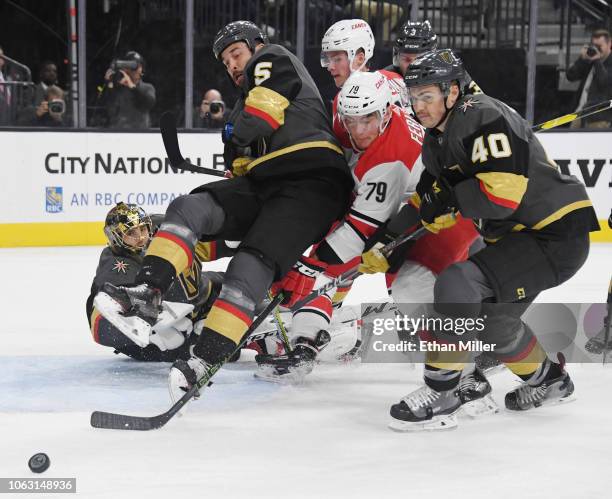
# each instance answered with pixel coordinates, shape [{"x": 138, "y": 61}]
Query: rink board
[{"x": 58, "y": 186}]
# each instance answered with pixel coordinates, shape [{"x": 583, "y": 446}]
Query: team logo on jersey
[
  {"x": 54, "y": 199},
  {"x": 120, "y": 266},
  {"x": 467, "y": 104}
]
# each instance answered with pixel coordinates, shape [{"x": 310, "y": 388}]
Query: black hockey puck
[{"x": 39, "y": 463}]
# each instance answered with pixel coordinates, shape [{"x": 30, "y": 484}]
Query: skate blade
[
  {"x": 175, "y": 380},
  {"x": 270, "y": 375},
  {"x": 437, "y": 423},
  {"x": 480, "y": 407},
  {"x": 549, "y": 403}
]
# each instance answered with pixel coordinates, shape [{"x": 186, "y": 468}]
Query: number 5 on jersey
[
  {"x": 499, "y": 147},
  {"x": 262, "y": 72}
]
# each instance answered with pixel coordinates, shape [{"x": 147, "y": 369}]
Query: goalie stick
[
  {"x": 354, "y": 272},
  {"x": 113, "y": 421},
  {"x": 167, "y": 125}
]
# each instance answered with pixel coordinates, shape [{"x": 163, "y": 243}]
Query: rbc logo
[{"x": 54, "y": 199}]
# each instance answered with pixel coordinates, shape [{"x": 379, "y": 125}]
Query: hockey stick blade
[
  {"x": 167, "y": 126},
  {"x": 113, "y": 421}
]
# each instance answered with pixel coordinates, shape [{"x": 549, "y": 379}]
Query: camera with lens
[
  {"x": 217, "y": 106},
  {"x": 592, "y": 50},
  {"x": 117, "y": 65},
  {"x": 57, "y": 106}
]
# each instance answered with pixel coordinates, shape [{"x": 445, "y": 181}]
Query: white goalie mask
[
  {"x": 364, "y": 94},
  {"x": 349, "y": 36}
]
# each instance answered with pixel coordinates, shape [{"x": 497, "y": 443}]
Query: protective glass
[
  {"x": 428, "y": 97},
  {"x": 327, "y": 59},
  {"x": 357, "y": 123}
]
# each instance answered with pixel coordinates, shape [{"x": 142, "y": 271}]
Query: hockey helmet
[
  {"x": 363, "y": 94},
  {"x": 440, "y": 67},
  {"x": 238, "y": 31},
  {"x": 349, "y": 35},
  {"x": 416, "y": 37},
  {"x": 120, "y": 220}
]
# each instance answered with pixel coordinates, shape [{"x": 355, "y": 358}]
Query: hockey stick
[
  {"x": 113, "y": 421},
  {"x": 608, "y": 323},
  {"x": 281, "y": 326},
  {"x": 568, "y": 118},
  {"x": 167, "y": 125},
  {"x": 354, "y": 272}
]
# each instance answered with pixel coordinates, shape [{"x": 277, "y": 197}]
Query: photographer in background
[
  {"x": 47, "y": 75},
  {"x": 127, "y": 99},
  {"x": 212, "y": 112},
  {"x": 594, "y": 68},
  {"x": 50, "y": 112}
]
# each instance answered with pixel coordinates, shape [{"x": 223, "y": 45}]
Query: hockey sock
[
  {"x": 528, "y": 361},
  {"x": 169, "y": 254},
  {"x": 224, "y": 327},
  {"x": 546, "y": 371}
]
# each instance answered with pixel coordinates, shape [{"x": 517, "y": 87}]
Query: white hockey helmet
[
  {"x": 364, "y": 93},
  {"x": 348, "y": 35}
]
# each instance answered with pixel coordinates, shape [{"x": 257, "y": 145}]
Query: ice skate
[
  {"x": 184, "y": 374},
  {"x": 426, "y": 409},
  {"x": 475, "y": 395},
  {"x": 597, "y": 344},
  {"x": 550, "y": 391},
  {"x": 294, "y": 366}
]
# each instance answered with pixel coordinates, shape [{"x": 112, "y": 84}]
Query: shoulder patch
[
  {"x": 468, "y": 103},
  {"x": 121, "y": 266}
]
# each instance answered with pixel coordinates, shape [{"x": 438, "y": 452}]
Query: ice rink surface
[{"x": 246, "y": 438}]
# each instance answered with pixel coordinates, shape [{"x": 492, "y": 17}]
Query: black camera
[
  {"x": 57, "y": 106},
  {"x": 592, "y": 50},
  {"x": 216, "y": 106},
  {"x": 117, "y": 65}
]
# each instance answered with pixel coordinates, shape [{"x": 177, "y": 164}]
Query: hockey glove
[
  {"x": 300, "y": 280},
  {"x": 439, "y": 200},
  {"x": 373, "y": 261},
  {"x": 441, "y": 222},
  {"x": 240, "y": 166}
]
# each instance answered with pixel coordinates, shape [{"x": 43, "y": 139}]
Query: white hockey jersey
[{"x": 383, "y": 174}]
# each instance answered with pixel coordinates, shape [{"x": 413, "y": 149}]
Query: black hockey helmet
[
  {"x": 415, "y": 38},
  {"x": 120, "y": 220},
  {"x": 438, "y": 67},
  {"x": 238, "y": 31}
]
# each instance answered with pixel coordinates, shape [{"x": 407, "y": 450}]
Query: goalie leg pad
[{"x": 136, "y": 329}]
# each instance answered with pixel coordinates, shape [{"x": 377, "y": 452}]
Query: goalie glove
[{"x": 300, "y": 280}]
